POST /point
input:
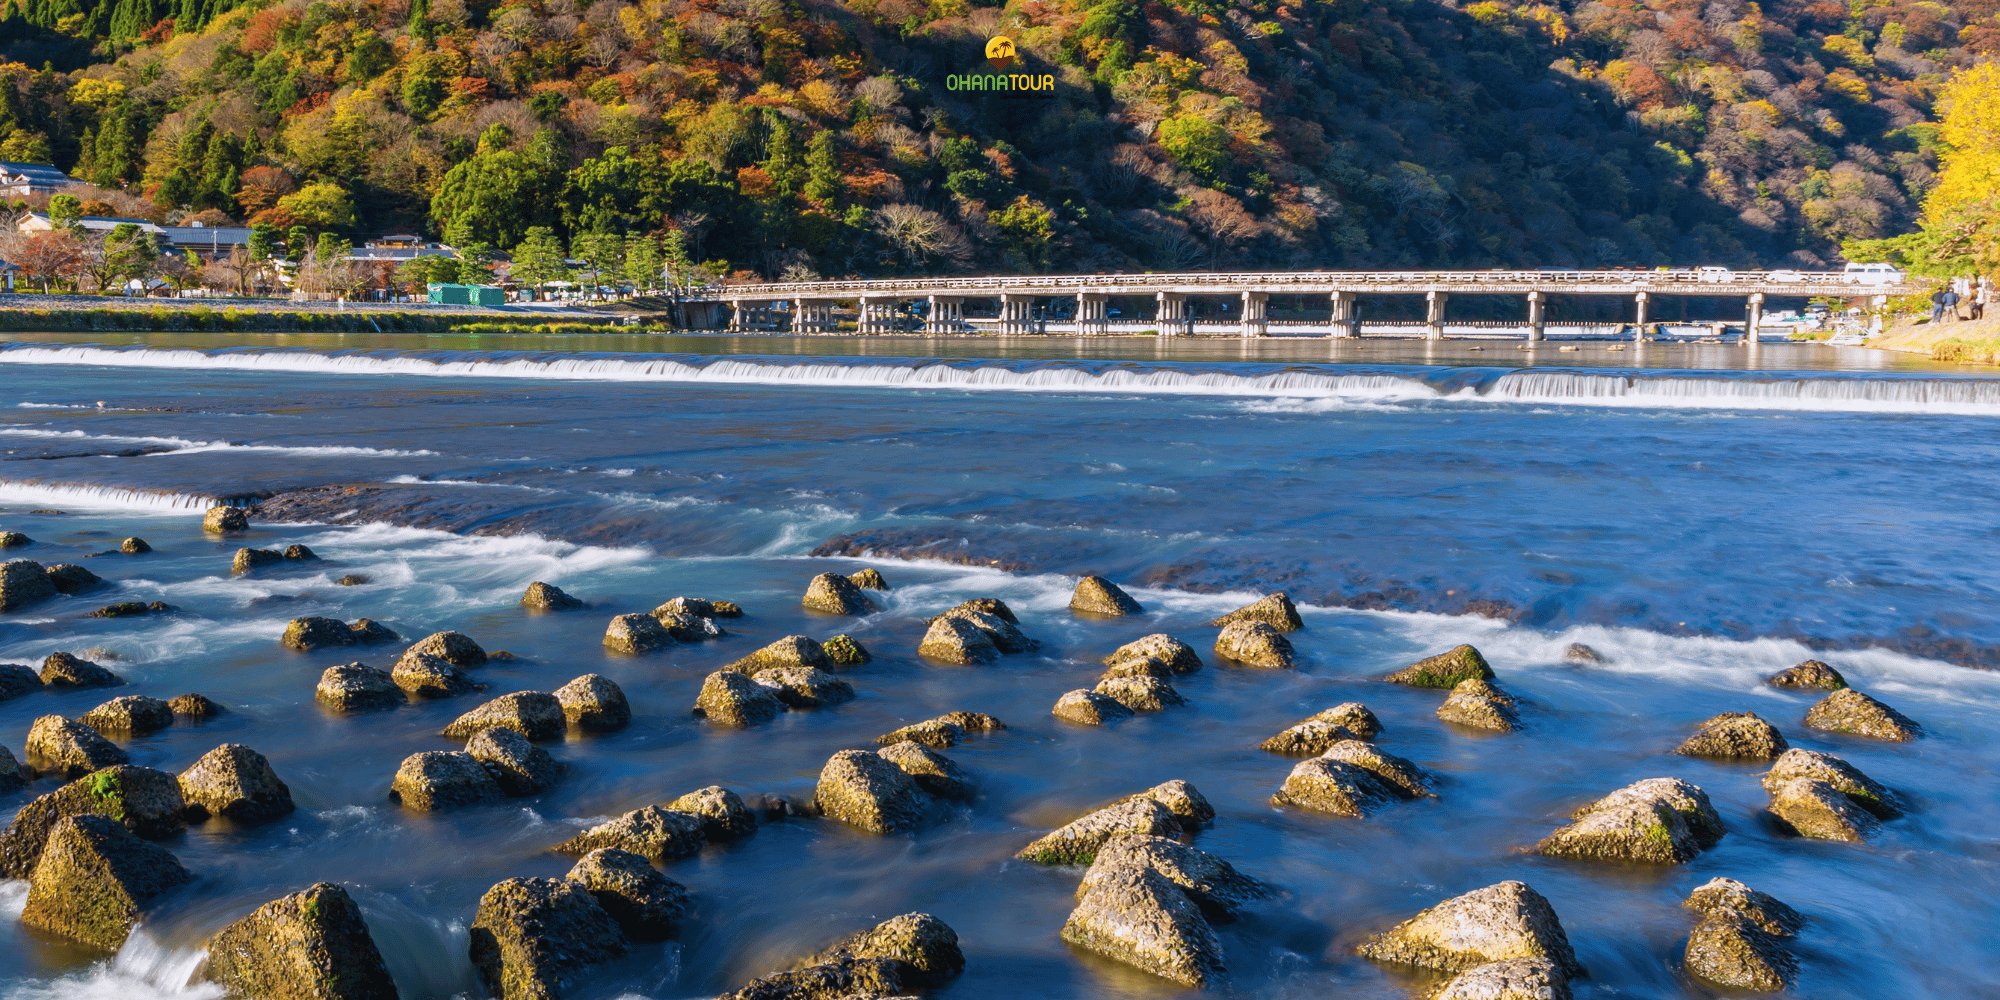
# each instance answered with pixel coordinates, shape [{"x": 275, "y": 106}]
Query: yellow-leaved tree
[{"x": 1961, "y": 220}]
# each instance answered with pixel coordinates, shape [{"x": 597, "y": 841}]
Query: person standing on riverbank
[
  {"x": 1980, "y": 296},
  {"x": 1937, "y": 306},
  {"x": 1948, "y": 304}
]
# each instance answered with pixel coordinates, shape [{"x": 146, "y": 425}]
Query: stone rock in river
[
  {"x": 299, "y": 553},
  {"x": 655, "y": 833},
  {"x": 128, "y": 609},
  {"x": 925, "y": 946},
  {"x": 689, "y": 628},
  {"x": 1144, "y": 666},
  {"x": 357, "y": 687},
  {"x": 61, "y": 670},
  {"x": 1140, "y": 694},
  {"x": 1476, "y": 704},
  {"x": 236, "y": 782},
  {"x": 422, "y": 675},
  {"x": 1310, "y": 737},
  {"x": 845, "y": 651},
  {"x": 1275, "y": 610},
  {"x": 24, "y": 582},
  {"x": 146, "y": 801},
  {"x": 1214, "y": 884},
  {"x": 311, "y": 945},
  {"x": 594, "y": 702},
  {"x": 973, "y": 722},
  {"x": 93, "y": 878},
  {"x": 1504, "y": 921},
  {"x": 985, "y": 605},
  {"x": 1735, "y": 736},
  {"x": 1726, "y": 897},
  {"x": 790, "y": 651},
  {"x": 1658, "y": 820},
  {"x": 732, "y": 699},
  {"x": 68, "y": 750},
  {"x": 636, "y": 635},
  {"x": 1733, "y": 952},
  {"x": 1256, "y": 644},
  {"x": 518, "y": 766},
  {"x": 869, "y": 792},
  {"x": 534, "y": 714},
  {"x": 13, "y": 776},
  {"x": 1079, "y": 842},
  {"x": 436, "y": 780},
  {"x": 723, "y": 814},
  {"x": 14, "y": 540},
  {"x": 1177, "y": 655},
  {"x": 1580, "y": 653},
  {"x": 933, "y": 772},
  {"x": 130, "y": 715},
  {"x": 847, "y": 979},
  {"x": 225, "y": 520},
  {"x": 648, "y": 905},
  {"x": 1812, "y": 674},
  {"x": 308, "y": 634},
  {"x": 351, "y": 580},
  {"x": 1183, "y": 800},
  {"x": 1138, "y": 916},
  {"x": 368, "y": 632},
  {"x": 804, "y": 687},
  {"x": 957, "y": 641},
  {"x": 194, "y": 706},
  {"x": 134, "y": 547},
  {"x": 1088, "y": 708},
  {"x": 69, "y": 578},
  {"x": 1816, "y": 810},
  {"x": 532, "y": 937},
  {"x": 1514, "y": 979},
  {"x": 938, "y": 734},
  {"x": 1097, "y": 596},
  {"x": 249, "y": 560},
  {"x": 1404, "y": 779},
  {"x": 548, "y": 597},
  {"x": 699, "y": 607},
  {"x": 833, "y": 594},
  {"x": 1851, "y": 712},
  {"x": 999, "y": 631},
  {"x": 17, "y": 680},
  {"x": 1335, "y": 787},
  {"x": 1845, "y": 778},
  {"x": 1444, "y": 670},
  {"x": 456, "y": 648},
  {"x": 869, "y": 578}
]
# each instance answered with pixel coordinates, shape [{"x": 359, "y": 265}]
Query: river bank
[
  {"x": 1964, "y": 342},
  {"x": 81, "y": 313}
]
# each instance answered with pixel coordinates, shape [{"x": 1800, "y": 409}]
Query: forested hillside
[{"x": 812, "y": 137}]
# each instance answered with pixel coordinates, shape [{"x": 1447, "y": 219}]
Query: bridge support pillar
[
  {"x": 1434, "y": 301},
  {"x": 1754, "y": 320},
  {"x": 1346, "y": 324},
  {"x": 1538, "y": 312},
  {"x": 877, "y": 315},
  {"x": 945, "y": 314},
  {"x": 735, "y": 315},
  {"x": 1170, "y": 312},
  {"x": 809, "y": 316},
  {"x": 1014, "y": 319},
  {"x": 1639, "y": 328},
  {"x": 1256, "y": 314},
  {"x": 1091, "y": 319}
]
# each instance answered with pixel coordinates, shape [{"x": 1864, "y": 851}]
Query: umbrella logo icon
[{"x": 1000, "y": 51}]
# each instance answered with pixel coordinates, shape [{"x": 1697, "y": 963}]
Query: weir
[{"x": 1238, "y": 304}]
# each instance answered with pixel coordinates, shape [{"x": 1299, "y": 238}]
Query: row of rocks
[
  {"x": 496, "y": 763},
  {"x": 428, "y": 669},
  {"x": 60, "y": 671},
  {"x": 739, "y": 700},
  {"x": 251, "y": 560},
  {"x": 60, "y": 748},
  {"x": 24, "y": 582}
]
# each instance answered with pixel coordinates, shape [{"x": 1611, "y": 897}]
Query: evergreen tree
[
  {"x": 538, "y": 258},
  {"x": 823, "y": 181},
  {"x": 264, "y": 240},
  {"x": 642, "y": 262},
  {"x": 784, "y": 161}
]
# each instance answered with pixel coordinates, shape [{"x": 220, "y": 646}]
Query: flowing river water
[{"x": 1702, "y": 515}]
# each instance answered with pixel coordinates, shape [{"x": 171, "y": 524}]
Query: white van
[
  {"x": 1873, "y": 274},
  {"x": 1714, "y": 274}
]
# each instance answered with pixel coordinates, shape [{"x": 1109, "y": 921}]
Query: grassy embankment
[{"x": 1963, "y": 342}]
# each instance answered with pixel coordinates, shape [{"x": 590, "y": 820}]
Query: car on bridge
[{"x": 1873, "y": 274}]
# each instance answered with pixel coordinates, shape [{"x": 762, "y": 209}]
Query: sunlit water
[{"x": 1698, "y": 527}]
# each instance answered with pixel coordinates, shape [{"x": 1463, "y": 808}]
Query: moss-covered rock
[
  {"x": 1140, "y": 694},
  {"x": 1445, "y": 670},
  {"x": 536, "y": 715},
  {"x": 938, "y": 734},
  {"x": 1334, "y": 787},
  {"x": 1078, "y": 842},
  {"x": 455, "y": 648},
  {"x": 1177, "y": 655},
  {"x": 1254, "y": 644},
  {"x": 637, "y": 635},
  {"x": 64, "y": 671},
  {"x": 548, "y": 597},
  {"x": 225, "y": 521},
  {"x": 299, "y": 553},
  {"x": 723, "y": 814},
  {"x": 689, "y": 628},
  {"x": 972, "y": 722},
  {"x": 1735, "y": 736},
  {"x": 310, "y": 945},
  {"x": 933, "y": 772},
  {"x": 518, "y": 766},
  {"x": 134, "y": 547},
  {"x": 1310, "y": 737},
  {"x": 1658, "y": 820},
  {"x": 870, "y": 793},
  {"x": 731, "y": 699},
  {"x": 147, "y": 802},
  {"x": 93, "y": 879},
  {"x": 594, "y": 702},
  {"x": 1726, "y": 897},
  {"x": 69, "y": 578},
  {"x": 434, "y": 780},
  {"x": 14, "y": 540},
  {"x": 248, "y": 560},
  {"x": 1095, "y": 595},
  {"x": 422, "y": 675},
  {"x": 1734, "y": 952},
  {"x": 68, "y": 750},
  {"x": 845, "y": 651},
  {"x": 699, "y": 607},
  {"x": 1845, "y": 778},
  {"x": 1403, "y": 778},
  {"x": 313, "y": 632},
  {"x": 648, "y": 905},
  {"x": 1275, "y": 610},
  {"x": 804, "y": 687},
  {"x": 1816, "y": 810},
  {"x": 532, "y": 937},
  {"x": 194, "y": 706},
  {"x": 129, "y": 715},
  {"x": 1005, "y": 636},
  {"x": 833, "y": 594},
  {"x": 24, "y": 582},
  {"x": 925, "y": 946},
  {"x": 1851, "y": 712},
  {"x": 1088, "y": 708},
  {"x": 868, "y": 578},
  {"x": 236, "y": 782},
  {"x": 958, "y": 642},
  {"x": 790, "y": 651},
  {"x": 1212, "y": 883},
  {"x": 655, "y": 833},
  {"x": 17, "y": 680},
  {"x": 1136, "y": 915},
  {"x": 1811, "y": 675},
  {"x": 1501, "y": 922},
  {"x": 357, "y": 687},
  {"x": 1477, "y": 703},
  {"x": 1514, "y": 979}
]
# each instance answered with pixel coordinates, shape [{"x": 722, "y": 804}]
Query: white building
[{"x": 19, "y": 180}]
